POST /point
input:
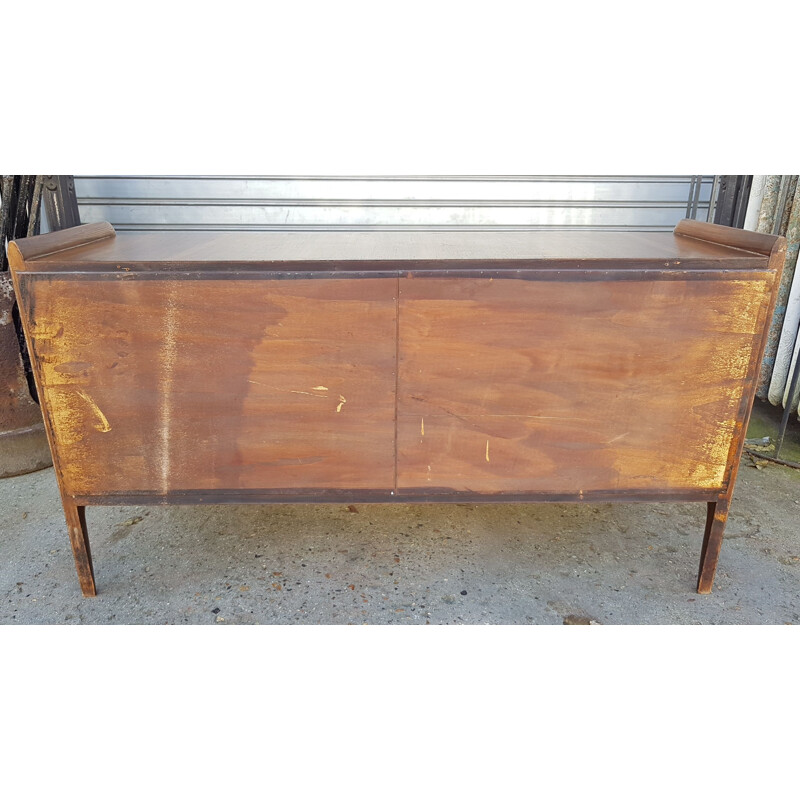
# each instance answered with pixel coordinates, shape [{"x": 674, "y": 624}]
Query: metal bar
[
  {"x": 794, "y": 380},
  {"x": 5, "y": 203},
  {"x": 712, "y": 201},
  {"x": 698, "y": 185},
  {"x": 691, "y": 209},
  {"x": 400, "y": 178},
  {"x": 35, "y": 219},
  {"x": 60, "y": 202},
  {"x": 371, "y": 203},
  {"x": 185, "y": 226},
  {"x": 742, "y": 200},
  {"x": 756, "y": 195},
  {"x": 725, "y": 199},
  {"x": 26, "y": 184},
  {"x": 780, "y": 206},
  {"x": 732, "y": 197},
  {"x": 774, "y": 459}
]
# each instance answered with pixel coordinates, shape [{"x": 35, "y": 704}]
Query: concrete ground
[{"x": 622, "y": 563}]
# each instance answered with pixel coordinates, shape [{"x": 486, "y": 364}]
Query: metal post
[
  {"x": 733, "y": 194},
  {"x": 780, "y": 206},
  {"x": 60, "y": 202},
  {"x": 793, "y": 381},
  {"x": 694, "y": 196},
  {"x": 742, "y": 200},
  {"x": 712, "y": 202},
  {"x": 34, "y": 223}
]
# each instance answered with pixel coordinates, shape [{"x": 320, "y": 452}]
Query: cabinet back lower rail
[{"x": 275, "y": 496}]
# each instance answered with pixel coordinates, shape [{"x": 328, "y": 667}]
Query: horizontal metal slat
[
  {"x": 304, "y": 215},
  {"x": 507, "y": 178},
  {"x": 237, "y": 201},
  {"x": 373, "y": 227},
  {"x": 550, "y": 190}
]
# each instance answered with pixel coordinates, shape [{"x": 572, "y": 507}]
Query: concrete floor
[{"x": 439, "y": 564}]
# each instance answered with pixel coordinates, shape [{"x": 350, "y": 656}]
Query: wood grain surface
[
  {"x": 763, "y": 243},
  {"x": 372, "y": 250},
  {"x": 162, "y": 385},
  {"x": 514, "y": 386}
]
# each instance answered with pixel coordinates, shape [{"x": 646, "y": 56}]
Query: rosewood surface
[{"x": 396, "y": 367}]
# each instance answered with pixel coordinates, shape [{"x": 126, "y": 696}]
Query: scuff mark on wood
[
  {"x": 47, "y": 330},
  {"x": 290, "y": 391},
  {"x": 103, "y": 424},
  {"x": 169, "y": 352},
  {"x": 72, "y": 367},
  {"x": 342, "y": 401},
  {"x": 296, "y": 462}
]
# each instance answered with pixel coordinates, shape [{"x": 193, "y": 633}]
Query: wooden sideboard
[{"x": 199, "y": 367}]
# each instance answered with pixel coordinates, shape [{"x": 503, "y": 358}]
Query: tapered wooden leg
[
  {"x": 716, "y": 517},
  {"x": 710, "y": 509},
  {"x": 78, "y": 536}
]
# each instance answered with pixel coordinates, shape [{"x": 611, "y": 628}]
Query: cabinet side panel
[
  {"x": 166, "y": 385},
  {"x": 537, "y": 386}
]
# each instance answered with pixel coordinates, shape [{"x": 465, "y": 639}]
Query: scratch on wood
[
  {"x": 292, "y": 462},
  {"x": 290, "y": 391},
  {"x": 342, "y": 401},
  {"x": 487, "y": 449},
  {"x": 422, "y": 426},
  {"x": 320, "y": 388},
  {"x": 102, "y": 425}
]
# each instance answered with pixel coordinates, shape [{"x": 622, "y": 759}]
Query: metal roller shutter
[{"x": 182, "y": 202}]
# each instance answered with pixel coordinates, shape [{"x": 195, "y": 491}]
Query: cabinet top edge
[{"x": 98, "y": 247}]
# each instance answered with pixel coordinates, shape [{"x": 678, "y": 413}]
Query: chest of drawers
[{"x": 200, "y": 367}]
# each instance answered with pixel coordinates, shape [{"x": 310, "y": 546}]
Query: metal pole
[
  {"x": 60, "y": 202},
  {"x": 781, "y": 204},
  {"x": 712, "y": 202},
  {"x": 795, "y": 379},
  {"x": 34, "y": 222}
]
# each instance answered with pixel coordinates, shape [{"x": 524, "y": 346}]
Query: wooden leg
[
  {"x": 716, "y": 517},
  {"x": 76, "y": 524}
]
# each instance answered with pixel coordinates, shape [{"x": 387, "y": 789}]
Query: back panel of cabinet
[
  {"x": 510, "y": 385},
  {"x": 165, "y": 385}
]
